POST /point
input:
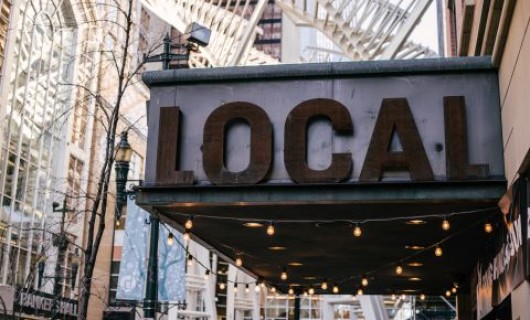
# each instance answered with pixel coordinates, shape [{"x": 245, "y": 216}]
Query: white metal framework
[
  {"x": 360, "y": 29},
  {"x": 363, "y": 29}
]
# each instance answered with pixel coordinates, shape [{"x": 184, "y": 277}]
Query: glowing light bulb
[
  {"x": 291, "y": 291},
  {"x": 422, "y": 297},
  {"x": 247, "y": 289},
  {"x": 399, "y": 269},
  {"x": 393, "y": 297},
  {"x": 190, "y": 260},
  {"x": 239, "y": 262},
  {"x": 118, "y": 223},
  {"x": 170, "y": 239},
  {"x": 335, "y": 289},
  {"x": 438, "y": 251},
  {"x": 360, "y": 292},
  {"x": 206, "y": 274},
  {"x": 283, "y": 276},
  {"x": 273, "y": 289},
  {"x": 364, "y": 281},
  {"x": 262, "y": 284},
  {"x": 488, "y": 228},
  {"x": 186, "y": 236},
  {"x": 324, "y": 285},
  {"x": 257, "y": 288},
  {"x": 357, "y": 230},
  {"x": 235, "y": 287},
  {"x": 311, "y": 291},
  {"x": 270, "y": 229},
  {"x": 222, "y": 286},
  {"x": 446, "y": 225},
  {"x": 448, "y": 293},
  {"x": 453, "y": 290},
  {"x": 403, "y": 297},
  {"x": 189, "y": 223}
]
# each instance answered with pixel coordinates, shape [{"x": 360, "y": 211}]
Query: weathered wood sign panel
[{"x": 328, "y": 129}]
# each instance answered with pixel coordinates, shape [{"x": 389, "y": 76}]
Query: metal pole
[
  {"x": 61, "y": 247},
  {"x": 167, "y": 51},
  {"x": 297, "y": 307},
  {"x": 151, "y": 294}
]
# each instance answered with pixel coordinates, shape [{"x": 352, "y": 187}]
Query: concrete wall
[{"x": 514, "y": 79}]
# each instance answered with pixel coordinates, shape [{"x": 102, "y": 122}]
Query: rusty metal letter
[
  {"x": 168, "y": 150},
  {"x": 395, "y": 116},
  {"x": 456, "y": 153},
  {"x": 296, "y": 141},
  {"x": 213, "y": 148}
]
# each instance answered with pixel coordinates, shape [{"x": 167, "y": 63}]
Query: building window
[
  {"x": 80, "y": 118},
  {"x": 75, "y": 173}
]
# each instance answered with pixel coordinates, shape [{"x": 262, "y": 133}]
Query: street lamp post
[
  {"x": 61, "y": 242},
  {"x": 197, "y": 36},
  {"x": 121, "y": 165}
]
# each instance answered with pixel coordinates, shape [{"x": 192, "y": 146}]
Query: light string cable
[{"x": 188, "y": 255}]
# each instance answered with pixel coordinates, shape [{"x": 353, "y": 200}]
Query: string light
[
  {"x": 206, "y": 274},
  {"x": 283, "y": 275},
  {"x": 324, "y": 285},
  {"x": 448, "y": 293},
  {"x": 270, "y": 229},
  {"x": 235, "y": 287},
  {"x": 117, "y": 222},
  {"x": 422, "y": 297},
  {"x": 357, "y": 230},
  {"x": 364, "y": 281},
  {"x": 222, "y": 286},
  {"x": 273, "y": 289},
  {"x": 360, "y": 292},
  {"x": 403, "y": 296},
  {"x": 488, "y": 228},
  {"x": 262, "y": 284},
  {"x": 399, "y": 269},
  {"x": 438, "y": 251},
  {"x": 311, "y": 291},
  {"x": 186, "y": 236},
  {"x": 189, "y": 223},
  {"x": 170, "y": 239},
  {"x": 445, "y": 224},
  {"x": 453, "y": 290},
  {"x": 393, "y": 297},
  {"x": 247, "y": 289},
  {"x": 190, "y": 260},
  {"x": 291, "y": 291},
  {"x": 257, "y": 288}
]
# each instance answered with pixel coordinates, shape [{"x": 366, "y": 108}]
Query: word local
[{"x": 395, "y": 117}]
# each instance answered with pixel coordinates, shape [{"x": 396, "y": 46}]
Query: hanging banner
[
  {"x": 171, "y": 267},
  {"x": 133, "y": 265},
  {"x": 503, "y": 266}
]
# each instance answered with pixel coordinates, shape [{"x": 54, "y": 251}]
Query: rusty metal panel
[{"x": 361, "y": 88}]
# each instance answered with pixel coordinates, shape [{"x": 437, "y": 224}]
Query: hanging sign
[
  {"x": 133, "y": 265},
  {"x": 328, "y": 129}
]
